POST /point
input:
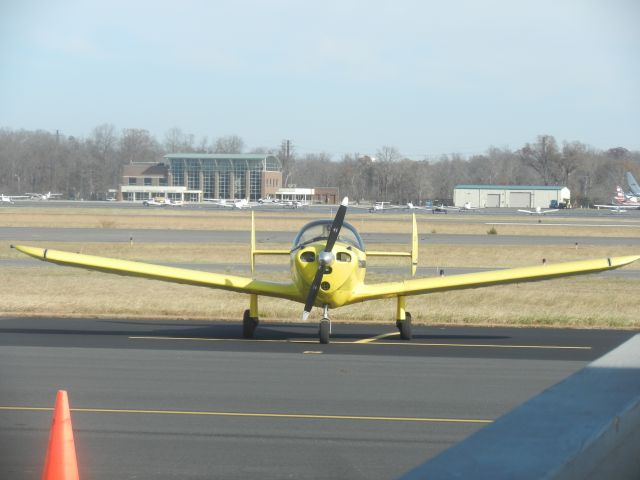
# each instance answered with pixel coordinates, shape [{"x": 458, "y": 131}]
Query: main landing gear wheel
[
  {"x": 324, "y": 331},
  {"x": 249, "y": 324},
  {"x": 405, "y": 327}
]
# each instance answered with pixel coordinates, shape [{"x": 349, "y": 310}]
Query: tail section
[
  {"x": 255, "y": 252},
  {"x": 412, "y": 255},
  {"x": 414, "y": 246},
  {"x": 253, "y": 242},
  {"x": 633, "y": 185}
]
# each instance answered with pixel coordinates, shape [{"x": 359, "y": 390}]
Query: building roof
[
  {"x": 239, "y": 156},
  {"x": 145, "y": 169},
  {"x": 511, "y": 187}
]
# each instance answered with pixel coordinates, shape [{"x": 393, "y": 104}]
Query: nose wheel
[{"x": 324, "y": 331}]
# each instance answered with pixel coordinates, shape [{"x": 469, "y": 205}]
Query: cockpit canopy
[{"x": 319, "y": 230}]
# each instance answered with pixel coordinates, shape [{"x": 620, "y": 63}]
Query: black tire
[
  {"x": 323, "y": 332},
  {"x": 405, "y": 327},
  {"x": 249, "y": 324}
]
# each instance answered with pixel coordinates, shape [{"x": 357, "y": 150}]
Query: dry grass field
[{"x": 48, "y": 290}]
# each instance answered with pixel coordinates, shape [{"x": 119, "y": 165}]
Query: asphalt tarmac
[
  {"x": 156, "y": 399},
  {"x": 567, "y": 213}
]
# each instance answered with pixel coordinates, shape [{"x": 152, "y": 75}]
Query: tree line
[{"x": 40, "y": 161}]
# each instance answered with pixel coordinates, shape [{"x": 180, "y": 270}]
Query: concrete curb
[{"x": 585, "y": 427}]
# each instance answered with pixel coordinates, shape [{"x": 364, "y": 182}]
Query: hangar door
[
  {"x": 493, "y": 200},
  {"x": 520, "y": 199}
]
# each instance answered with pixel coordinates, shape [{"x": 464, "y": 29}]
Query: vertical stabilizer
[
  {"x": 633, "y": 185},
  {"x": 414, "y": 246},
  {"x": 253, "y": 242}
]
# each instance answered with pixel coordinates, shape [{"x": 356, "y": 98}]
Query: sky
[{"x": 426, "y": 77}]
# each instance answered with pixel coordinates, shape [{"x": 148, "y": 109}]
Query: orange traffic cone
[{"x": 61, "y": 463}]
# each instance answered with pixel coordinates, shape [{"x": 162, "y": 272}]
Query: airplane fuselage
[{"x": 345, "y": 273}]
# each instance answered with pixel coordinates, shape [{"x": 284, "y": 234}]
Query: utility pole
[
  {"x": 288, "y": 150},
  {"x": 286, "y": 167}
]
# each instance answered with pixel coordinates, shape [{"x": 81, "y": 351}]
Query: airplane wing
[
  {"x": 526, "y": 211},
  {"x": 618, "y": 207},
  {"x": 167, "y": 274},
  {"x": 550, "y": 211},
  {"x": 483, "y": 279}
]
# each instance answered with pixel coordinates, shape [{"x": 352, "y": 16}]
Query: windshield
[{"x": 319, "y": 230}]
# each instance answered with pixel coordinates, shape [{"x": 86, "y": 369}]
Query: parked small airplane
[
  {"x": 284, "y": 203},
  {"x": 468, "y": 206},
  {"x": 465, "y": 208},
  {"x": 538, "y": 211},
  {"x": 411, "y": 206},
  {"x": 614, "y": 208},
  {"x": 379, "y": 206},
  {"x": 386, "y": 206},
  {"x": 622, "y": 202},
  {"x": 161, "y": 202},
  {"x": 626, "y": 199},
  {"x": 291, "y": 203},
  {"x": 10, "y": 198},
  {"x": 633, "y": 185},
  {"x": 239, "y": 203},
  {"x": 43, "y": 196},
  {"x": 328, "y": 265}
]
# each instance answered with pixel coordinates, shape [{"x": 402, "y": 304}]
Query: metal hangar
[{"x": 510, "y": 196}]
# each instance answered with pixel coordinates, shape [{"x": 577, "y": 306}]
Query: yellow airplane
[{"x": 328, "y": 264}]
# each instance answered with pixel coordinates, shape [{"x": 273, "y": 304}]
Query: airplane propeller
[{"x": 325, "y": 258}]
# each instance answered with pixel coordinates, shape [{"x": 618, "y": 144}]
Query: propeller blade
[
  {"x": 313, "y": 292},
  {"x": 333, "y": 236},
  {"x": 336, "y": 225}
]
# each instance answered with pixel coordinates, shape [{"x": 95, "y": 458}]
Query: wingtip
[
  {"x": 345, "y": 202},
  {"x": 621, "y": 261},
  {"x": 305, "y": 316}
]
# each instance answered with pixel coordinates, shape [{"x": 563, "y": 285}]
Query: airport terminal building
[
  {"x": 510, "y": 196},
  {"x": 224, "y": 175},
  {"x": 191, "y": 177}
]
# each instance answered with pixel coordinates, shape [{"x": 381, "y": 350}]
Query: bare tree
[
  {"x": 314, "y": 169},
  {"x": 573, "y": 154},
  {"x": 383, "y": 169},
  {"x": 176, "y": 141},
  {"x": 287, "y": 156},
  {"x": 137, "y": 145},
  {"x": 229, "y": 144},
  {"x": 542, "y": 157},
  {"x": 38, "y": 161}
]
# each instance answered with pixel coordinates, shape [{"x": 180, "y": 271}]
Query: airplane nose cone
[{"x": 326, "y": 258}]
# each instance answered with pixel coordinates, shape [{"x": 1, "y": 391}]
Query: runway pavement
[
  {"x": 155, "y": 399},
  {"x": 566, "y": 213}
]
